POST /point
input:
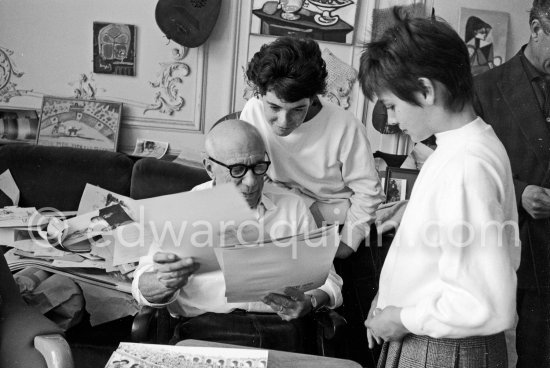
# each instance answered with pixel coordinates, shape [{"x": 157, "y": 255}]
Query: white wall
[
  {"x": 52, "y": 45},
  {"x": 51, "y": 42}
]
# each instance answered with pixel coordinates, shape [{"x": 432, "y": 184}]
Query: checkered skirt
[{"x": 425, "y": 352}]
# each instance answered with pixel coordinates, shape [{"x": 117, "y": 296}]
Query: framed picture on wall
[
  {"x": 323, "y": 20},
  {"x": 114, "y": 48},
  {"x": 88, "y": 124},
  {"x": 485, "y": 33},
  {"x": 399, "y": 183}
]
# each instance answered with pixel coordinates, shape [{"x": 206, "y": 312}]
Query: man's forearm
[{"x": 153, "y": 290}]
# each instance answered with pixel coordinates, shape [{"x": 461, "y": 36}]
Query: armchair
[
  {"x": 27, "y": 338},
  {"x": 156, "y": 326}
]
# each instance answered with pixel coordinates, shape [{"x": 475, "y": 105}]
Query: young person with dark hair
[
  {"x": 318, "y": 149},
  {"x": 448, "y": 285},
  {"x": 515, "y": 99}
]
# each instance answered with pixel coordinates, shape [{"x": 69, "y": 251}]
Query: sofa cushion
[
  {"x": 152, "y": 178},
  {"x": 56, "y": 176}
]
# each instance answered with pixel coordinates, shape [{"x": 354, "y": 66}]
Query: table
[{"x": 283, "y": 359}]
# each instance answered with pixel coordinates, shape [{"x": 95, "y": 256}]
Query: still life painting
[
  {"x": 323, "y": 20},
  {"x": 88, "y": 124}
]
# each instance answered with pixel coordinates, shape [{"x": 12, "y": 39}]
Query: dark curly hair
[
  {"x": 416, "y": 48},
  {"x": 292, "y": 68},
  {"x": 541, "y": 11}
]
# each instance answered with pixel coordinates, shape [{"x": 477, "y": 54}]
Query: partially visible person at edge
[
  {"x": 447, "y": 289},
  {"x": 319, "y": 150},
  {"x": 514, "y": 99}
]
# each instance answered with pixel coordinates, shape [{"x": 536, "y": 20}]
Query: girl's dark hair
[
  {"x": 416, "y": 48},
  {"x": 292, "y": 68}
]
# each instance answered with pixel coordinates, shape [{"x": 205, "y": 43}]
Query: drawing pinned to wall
[
  {"x": 485, "y": 33},
  {"x": 114, "y": 48},
  {"x": 323, "y": 20}
]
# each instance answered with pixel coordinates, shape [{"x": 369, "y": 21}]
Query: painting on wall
[
  {"x": 485, "y": 33},
  {"x": 71, "y": 122},
  {"x": 323, "y": 20},
  {"x": 114, "y": 48}
]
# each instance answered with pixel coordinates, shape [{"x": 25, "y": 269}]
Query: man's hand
[
  {"x": 344, "y": 251},
  {"x": 371, "y": 336},
  {"x": 536, "y": 201},
  {"x": 293, "y": 304},
  {"x": 387, "y": 324},
  {"x": 170, "y": 273}
]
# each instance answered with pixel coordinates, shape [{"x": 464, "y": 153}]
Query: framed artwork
[
  {"x": 70, "y": 122},
  {"x": 323, "y": 20},
  {"x": 18, "y": 125},
  {"x": 485, "y": 34},
  {"x": 399, "y": 183},
  {"x": 114, "y": 48}
]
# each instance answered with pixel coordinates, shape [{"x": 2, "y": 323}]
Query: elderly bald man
[{"x": 235, "y": 152}]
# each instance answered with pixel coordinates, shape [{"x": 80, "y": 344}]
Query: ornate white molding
[
  {"x": 8, "y": 69},
  {"x": 167, "y": 97},
  {"x": 85, "y": 87}
]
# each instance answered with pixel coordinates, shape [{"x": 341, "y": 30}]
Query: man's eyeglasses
[{"x": 237, "y": 171}]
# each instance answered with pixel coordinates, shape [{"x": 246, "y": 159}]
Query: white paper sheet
[
  {"x": 187, "y": 224},
  {"x": 252, "y": 271},
  {"x": 9, "y": 187}
]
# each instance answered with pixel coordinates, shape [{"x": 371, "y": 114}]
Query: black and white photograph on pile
[{"x": 149, "y": 148}]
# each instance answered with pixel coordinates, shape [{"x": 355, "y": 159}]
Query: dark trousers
[
  {"x": 259, "y": 330},
  {"x": 533, "y": 331},
  {"x": 360, "y": 273}
]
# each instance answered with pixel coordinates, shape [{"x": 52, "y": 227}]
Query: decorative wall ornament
[
  {"x": 167, "y": 98},
  {"x": 8, "y": 69},
  {"x": 85, "y": 87}
]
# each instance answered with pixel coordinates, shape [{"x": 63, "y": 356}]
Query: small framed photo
[
  {"x": 88, "y": 124},
  {"x": 398, "y": 183}
]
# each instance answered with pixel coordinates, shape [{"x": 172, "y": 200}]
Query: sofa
[{"x": 55, "y": 177}]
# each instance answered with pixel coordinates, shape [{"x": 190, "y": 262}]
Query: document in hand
[
  {"x": 253, "y": 270},
  {"x": 187, "y": 224}
]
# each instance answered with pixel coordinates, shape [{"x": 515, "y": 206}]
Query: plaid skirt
[{"x": 425, "y": 352}]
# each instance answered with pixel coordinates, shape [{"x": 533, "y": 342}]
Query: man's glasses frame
[{"x": 235, "y": 169}]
